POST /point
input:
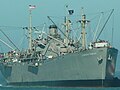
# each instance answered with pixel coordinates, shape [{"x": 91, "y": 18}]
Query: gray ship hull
[{"x": 93, "y": 67}]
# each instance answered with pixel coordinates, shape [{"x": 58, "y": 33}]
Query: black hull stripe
[{"x": 72, "y": 83}]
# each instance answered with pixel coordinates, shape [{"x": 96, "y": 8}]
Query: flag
[
  {"x": 32, "y": 6},
  {"x": 71, "y": 12}
]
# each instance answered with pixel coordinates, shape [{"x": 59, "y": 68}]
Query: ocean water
[
  {"x": 54, "y": 88},
  {"x": 43, "y": 88}
]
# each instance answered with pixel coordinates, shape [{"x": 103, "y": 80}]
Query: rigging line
[
  {"x": 97, "y": 28},
  {"x": 74, "y": 35},
  {"x": 90, "y": 31},
  {"x": 112, "y": 29},
  {"x": 6, "y": 44},
  {"x": 97, "y": 13},
  {"x": 95, "y": 17},
  {"x": 1, "y": 50},
  {"x": 54, "y": 38},
  {"x": 104, "y": 24},
  {"x": 22, "y": 39},
  {"x": 11, "y": 26},
  {"x": 57, "y": 17},
  {"x": 9, "y": 39},
  {"x": 40, "y": 26},
  {"x": 56, "y": 25},
  {"x": 77, "y": 28}
]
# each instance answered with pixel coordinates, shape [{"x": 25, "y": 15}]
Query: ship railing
[{"x": 23, "y": 59}]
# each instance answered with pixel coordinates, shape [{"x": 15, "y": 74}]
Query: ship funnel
[{"x": 53, "y": 30}]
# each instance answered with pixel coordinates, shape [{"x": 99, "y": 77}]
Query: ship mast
[
  {"x": 83, "y": 33},
  {"x": 30, "y": 26},
  {"x": 67, "y": 25},
  {"x": 83, "y": 22}
]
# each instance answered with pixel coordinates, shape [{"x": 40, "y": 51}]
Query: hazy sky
[{"x": 16, "y": 13}]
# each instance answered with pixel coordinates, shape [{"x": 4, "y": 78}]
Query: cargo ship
[{"x": 55, "y": 61}]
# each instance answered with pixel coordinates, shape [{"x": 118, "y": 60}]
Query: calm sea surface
[{"x": 46, "y": 88}]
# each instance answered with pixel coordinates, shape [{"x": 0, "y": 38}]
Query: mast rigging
[
  {"x": 104, "y": 24},
  {"x": 10, "y": 40}
]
